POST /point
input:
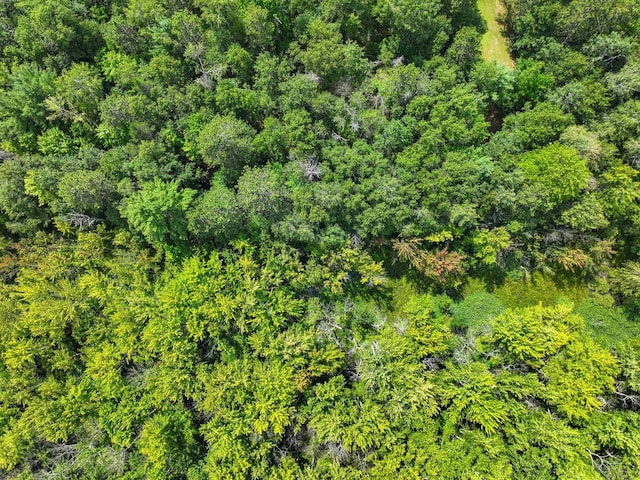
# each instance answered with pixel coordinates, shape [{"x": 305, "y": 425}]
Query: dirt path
[{"x": 494, "y": 45}]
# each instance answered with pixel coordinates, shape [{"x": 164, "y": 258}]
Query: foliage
[
  {"x": 320, "y": 240},
  {"x": 557, "y": 172},
  {"x": 158, "y": 212}
]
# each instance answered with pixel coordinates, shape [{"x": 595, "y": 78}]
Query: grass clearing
[{"x": 494, "y": 44}]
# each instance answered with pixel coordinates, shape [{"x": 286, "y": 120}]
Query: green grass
[
  {"x": 494, "y": 45},
  {"x": 539, "y": 289}
]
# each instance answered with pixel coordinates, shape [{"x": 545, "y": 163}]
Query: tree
[
  {"x": 262, "y": 197},
  {"x": 584, "y": 18},
  {"x": 625, "y": 83},
  {"x": 576, "y": 395},
  {"x": 419, "y": 27},
  {"x": 225, "y": 142},
  {"x": 86, "y": 191},
  {"x": 123, "y": 118},
  {"x": 622, "y": 123},
  {"x": 582, "y": 99},
  {"x": 620, "y": 191},
  {"x": 532, "y": 128},
  {"x": 54, "y": 34},
  {"x": 328, "y": 57},
  {"x": 258, "y": 27},
  {"x": 23, "y": 115},
  {"x": 465, "y": 48},
  {"x": 158, "y": 212},
  {"x": 215, "y": 214},
  {"x": 363, "y": 191},
  {"x": 587, "y": 143},
  {"x": 168, "y": 442},
  {"x": 21, "y": 213},
  {"x": 557, "y": 172},
  {"x": 490, "y": 244},
  {"x": 611, "y": 51},
  {"x": 627, "y": 280},
  {"x": 532, "y": 82},
  {"x": 78, "y": 92},
  {"x": 458, "y": 117},
  {"x": 532, "y": 335},
  {"x": 586, "y": 215}
]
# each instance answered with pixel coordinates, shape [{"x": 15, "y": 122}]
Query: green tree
[
  {"x": 54, "y": 34},
  {"x": 86, "y": 191},
  {"x": 532, "y": 128},
  {"x": 23, "y": 115},
  {"x": 225, "y": 142},
  {"x": 158, "y": 212},
  {"x": 327, "y": 56},
  {"x": 490, "y": 244},
  {"x": 262, "y": 197},
  {"x": 465, "y": 48},
  {"x": 421, "y": 28},
  {"x": 557, "y": 172},
  {"x": 620, "y": 191},
  {"x": 586, "y": 215},
  {"x": 78, "y": 92},
  {"x": 168, "y": 443},
  {"x": 21, "y": 213},
  {"x": 215, "y": 214}
]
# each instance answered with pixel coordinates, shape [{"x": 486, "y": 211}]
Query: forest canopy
[{"x": 255, "y": 239}]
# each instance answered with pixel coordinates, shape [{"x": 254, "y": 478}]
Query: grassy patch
[
  {"x": 494, "y": 45},
  {"x": 539, "y": 289}
]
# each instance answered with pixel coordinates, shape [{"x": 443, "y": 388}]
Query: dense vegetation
[{"x": 323, "y": 240}]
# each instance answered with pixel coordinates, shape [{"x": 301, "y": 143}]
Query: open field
[{"x": 494, "y": 45}]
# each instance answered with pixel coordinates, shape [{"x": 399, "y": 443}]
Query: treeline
[
  {"x": 253, "y": 363},
  {"x": 268, "y": 239},
  {"x": 318, "y": 124}
]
